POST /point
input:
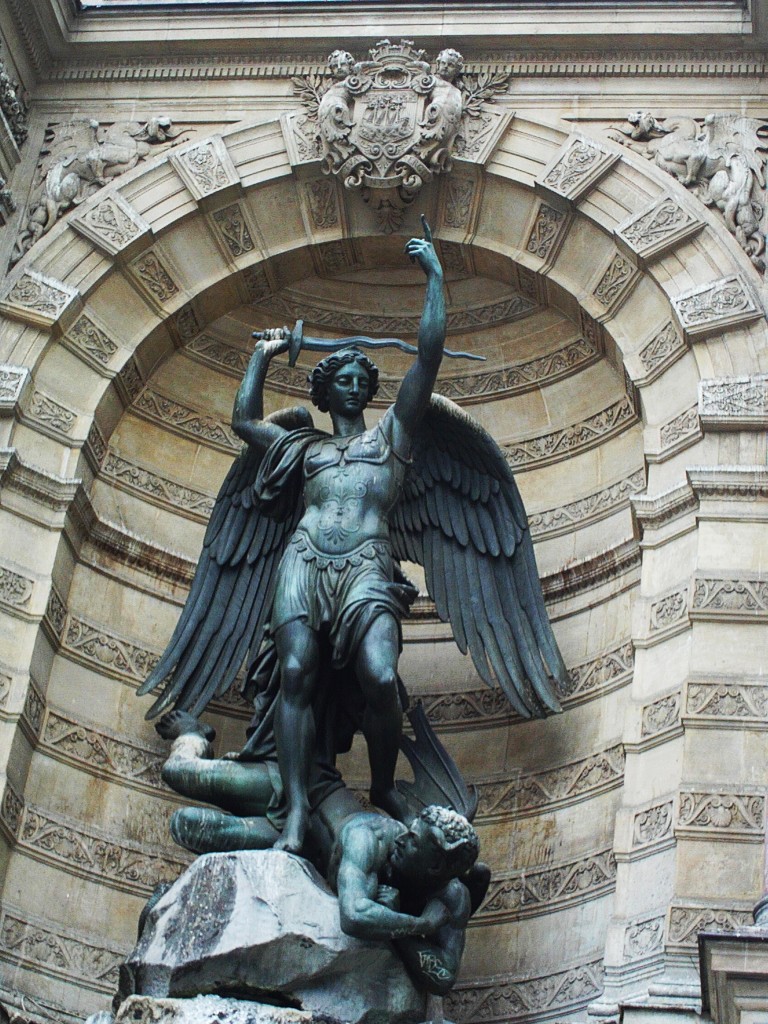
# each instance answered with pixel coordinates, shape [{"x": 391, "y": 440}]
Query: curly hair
[
  {"x": 327, "y": 368},
  {"x": 461, "y": 845}
]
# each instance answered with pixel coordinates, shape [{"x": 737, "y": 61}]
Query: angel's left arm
[{"x": 416, "y": 389}]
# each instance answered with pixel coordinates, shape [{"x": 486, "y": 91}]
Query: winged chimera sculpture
[{"x": 299, "y": 569}]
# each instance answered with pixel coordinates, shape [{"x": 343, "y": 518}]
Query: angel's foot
[
  {"x": 292, "y": 838},
  {"x": 389, "y": 800},
  {"x": 180, "y": 723}
]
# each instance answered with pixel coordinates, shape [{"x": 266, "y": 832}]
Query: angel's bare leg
[
  {"x": 205, "y": 830},
  {"x": 299, "y": 654},
  {"x": 376, "y": 670}
]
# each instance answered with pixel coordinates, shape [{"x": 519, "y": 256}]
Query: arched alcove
[{"x": 129, "y": 326}]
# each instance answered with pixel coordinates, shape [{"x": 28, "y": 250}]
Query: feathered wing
[
  {"x": 231, "y": 592},
  {"x": 462, "y": 518}
]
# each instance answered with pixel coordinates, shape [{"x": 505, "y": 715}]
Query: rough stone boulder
[
  {"x": 263, "y": 926},
  {"x": 209, "y": 1010}
]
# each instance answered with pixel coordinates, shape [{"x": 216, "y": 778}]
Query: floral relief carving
[
  {"x": 686, "y": 922},
  {"x": 116, "y": 757},
  {"x": 59, "y": 953},
  {"x": 34, "y": 709},
  {"x": 12, "y": 381},
  {"x": 739, "y": 596},
  {"x": 5, "y": 689},
  {"x": 540, "y": 890},
  {"x": 729, "y": 813},
  {"x": 579, "y": 160},
  {"x": 644, "y": 938},
  {"x": 152, "y": 272},
  {"x": 662, "y": 349},
  {"x": 592, "y": 507},
  {"x": 219, "y": 355},
  {"x": 11, "y": 810},
  {"x": 204, "y": 166},
  {"x": 188, "y": 422},
  {"x": 107, "y": 652},
  {"x": 738, "y": 701},
  {"x": 86, "y": 337},
  {"x": 508, "y": 999},
  {"x": 167, "y": 492},
  {"x": 618, "y": 275},
  {"x": 662, "y": 714},
  {"x": 96, "y": 444},
  {"x": 96, "y": 855},
  {"x": 668, "y": 610},
  {"x": 720, "y": 304},
  {"x": 185, "y": 324},
  {"x": 38, "y": 294},
  {"x": 15, "y": 589},
  {"x": 652, "y": 825},
  {"x": 44, "y": 410},
  {"x": 683, "y": 427},
  {"x": 545, "y": 230},
  {"x": 112, "y": 224},
  {"x": 130, "y": 380},
  {"x": 555, "y": 787},
  {"x": 653, "y": 231},
  {"x": 257, "y": 283},
  {"x": 459, "y": 195},
  {"x": 232, "y": 224},
  {"x": 576, "y": 437},
  {"x": 739, "y": 398},
  {"x": 323, "y": 204}
]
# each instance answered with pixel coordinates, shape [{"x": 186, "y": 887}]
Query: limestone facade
[{"x": 624, "y": 326}]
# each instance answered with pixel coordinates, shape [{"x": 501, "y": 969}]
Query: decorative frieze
[
  {"x": 55, "y": 613},
  {"x": 104, "y": 754},
  {"x": 715, "y": 307},
  {"x": 722, "y": 703},
  {"x": 734, "y": 403},
  {"x": 668, "y": 611},
  {"x": 576, "y": 169},
  {"x": 90, "y": 342},
  {"x": 258, "y": 286},
  {"x": 335, "y": 257},
  {"x": 157, "y": 489},
  {"x": 734, "y": 483},
  {"x": 652, "y": 825},
  {"x": 643, "y": 938},
  {"x": 589, "y": 509},
  {"x": 504, "y": 999},
  {"x": 656, "y": 229},
  {"x": 34, "y": 709},
  {"x": 15, "y": 589},
  {"x": 547, "y": 232},
  {"x": 486, "y": 707},
  {"x": 206, "y": 168},
  {"x": 664, "y": 348},
  {"x": 217, "y": 354},
  {"x": 577, "y": 437},
  {"x": 11, "y": 810},
  {"x": 187, "y": 422},
  {"x": 13, "y": 382},
  {"x": 557, "y": 787},
  {"x": 129, "y": 382},
  {"x": 675, "y": 435},
  {"x": 184, "y": 325},
  {"x": 720, "y": 597},
  {"x": 113, "y": 226},
  {"x": 37, "y": 299},
  {"x": 661, "y": 716},
  {"x": 459, "y": 202},
  {"x": 39, "y": 946},
  {"x": 685, "y": 922},
  {"x": 84, "y": 850},
  {"x": 151, "y": 273},
  {"x": 105, "y": 651},
  {"x": 95, "y": 447},
  {"x": 738, "y": 816},
  {"x": 541, "y": 890},
  {"x": 615, "y": 282},
  {"x": 232, "y": 227},
  {"x": 52, "y": 416}
]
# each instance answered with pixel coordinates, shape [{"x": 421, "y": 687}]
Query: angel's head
[
  {"x": 341, "y": 63},
  {"x": 332, "y": 369},
  {"x": 449, "y": 64}
]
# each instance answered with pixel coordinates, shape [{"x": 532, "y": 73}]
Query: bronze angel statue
[{"x": 300, "y": 568}]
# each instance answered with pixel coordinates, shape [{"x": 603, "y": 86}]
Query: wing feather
[{"x": 463, "y": 519}]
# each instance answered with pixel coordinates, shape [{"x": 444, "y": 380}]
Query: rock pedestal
[{"x": 263, "y": 927}]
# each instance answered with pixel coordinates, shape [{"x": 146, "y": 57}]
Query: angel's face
[{"x": 348, "y": 390}]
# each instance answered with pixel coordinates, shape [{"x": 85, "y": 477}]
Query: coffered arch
[{"x": 603, "y": 295}]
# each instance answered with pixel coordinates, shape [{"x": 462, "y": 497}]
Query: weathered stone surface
[
  {"x": 264, "y": 926},
  {"x": 209, "y": 1009}
]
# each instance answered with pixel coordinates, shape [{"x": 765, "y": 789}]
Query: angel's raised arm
[
  {"x": 248, "y": 414},
  {"x": 416, "y": 389}
]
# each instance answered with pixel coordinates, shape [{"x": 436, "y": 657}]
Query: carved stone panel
[
  {"x": 660, "y": 717},
  {"x": 734, "y": 403},
  {"x": 575, "y": 170},
  {"x": 652, "y": 825},
  {"x": 113, "y": 225},
  {"x": 686, "y": 921},
  {"x": 547, "y": 232},
  {"x": 663, "y": 349},
  {"x": 206, "y": 168},
  {"x": 717, "y": 306},
  {"x": 90, "y": 342},
  {"x": 232, "y": 227},
  {"x": 37, "y": 299},
  {"x": 719, "y": 597},
  {"x": 644, "y": 938},
  {"x": 738, "y": 816},
  {"x": 15, "y": 589},
  {"x": 615, "y": 282},
  {"x": 13, "y": 382},
  {"x": 656, "y": 229},
  {"x": 724, "y": 703},
  {"x": 152, "y": 273}
]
